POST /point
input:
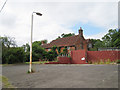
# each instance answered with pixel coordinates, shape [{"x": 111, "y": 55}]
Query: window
[
  {"x": 48, "y": 49},
  {"x": 68, "y": 48}
]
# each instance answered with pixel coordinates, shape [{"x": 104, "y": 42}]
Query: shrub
[
  {"x": 14, "y": 55},
  {"x": 89, "y": 62},
  {"x": 51, "y": 55},
  {"x": 108, "y": 61},
  {"x": 118, "y": 61}
]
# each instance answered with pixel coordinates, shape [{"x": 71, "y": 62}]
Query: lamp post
[{"x": 37, "y": 13}]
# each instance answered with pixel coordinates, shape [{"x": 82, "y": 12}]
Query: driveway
[{"x": 63, "y": 76}]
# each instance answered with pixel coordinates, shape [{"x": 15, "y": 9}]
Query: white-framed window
[{"x": 68, "y": 48}]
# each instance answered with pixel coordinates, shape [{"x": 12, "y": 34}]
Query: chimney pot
[{"x": 81, "y": 32}]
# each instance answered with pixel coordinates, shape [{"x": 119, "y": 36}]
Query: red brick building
[{"x": 76, "y": 42}]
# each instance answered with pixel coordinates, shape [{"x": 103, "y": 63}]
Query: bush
[
  {"x": 118, "y": 61},
  {"x": 13, "y": 55},
  {"x": 51, "y": 55}
]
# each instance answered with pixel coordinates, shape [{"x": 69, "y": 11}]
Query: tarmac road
[{"x": 63, "y": 76}]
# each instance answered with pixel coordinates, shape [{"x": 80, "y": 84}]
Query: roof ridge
[{"x": 64, "y": 37}]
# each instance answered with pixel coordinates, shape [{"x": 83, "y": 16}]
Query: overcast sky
[{"x": 95, "y": 18}]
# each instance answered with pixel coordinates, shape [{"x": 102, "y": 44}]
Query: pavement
[{"x": 62, "y": 76}]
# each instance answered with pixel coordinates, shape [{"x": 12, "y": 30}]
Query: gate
[{"x": 78, "y": 57}]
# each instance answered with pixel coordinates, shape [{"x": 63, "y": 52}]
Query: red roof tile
[{"x": 67, "y": 41}]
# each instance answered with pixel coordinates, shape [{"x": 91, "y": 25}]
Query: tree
[
  {"x": 10, "y": 52},
  {"x": 14, "y": 55},
  {"x": 44, "y": 41},
  {"x": 112, "y": 38},
  {"x": 8, "y": 41},
  {"x": 66, "y": 35},
  {"x": 38, "y": 52},
  {"x": 51, "y": 55},
  {"x": 96, "y": 43}
]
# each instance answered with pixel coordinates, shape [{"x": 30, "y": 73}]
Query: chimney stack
[{"x": 80, "y": 32}]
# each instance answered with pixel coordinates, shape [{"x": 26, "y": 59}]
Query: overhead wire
[{"x": 3, "y": 6}]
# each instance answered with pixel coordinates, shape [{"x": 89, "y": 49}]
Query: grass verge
[
  {"x": 5, "y": 83},
  {"x": 40, "y": 62}
]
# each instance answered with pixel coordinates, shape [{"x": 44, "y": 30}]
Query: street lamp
[{"x": 37, "y": 13}]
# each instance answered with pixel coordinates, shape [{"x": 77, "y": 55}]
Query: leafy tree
[
  {"x": 112, "y": 38},
  {"x": 96, "y": 43},
  {"x": 10, "y": 52},
  {"x": 66, "y": 35},
  {"x": 38, "y": 52},
  {"x": 51, "y": 55},
  {"x": 8, "y": 41},
  {"x": 44, "y": 41},
  {"x": 14, "y": 55}
]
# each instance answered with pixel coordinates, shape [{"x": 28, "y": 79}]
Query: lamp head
[{"x": 39, "y": 14}]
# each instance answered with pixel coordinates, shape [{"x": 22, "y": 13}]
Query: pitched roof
[{"x": 66, "y": 41}]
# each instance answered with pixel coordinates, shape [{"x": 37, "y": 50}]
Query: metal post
[
  {"x": 30, "y": 69},
  {"x": 37, "y": 13}
]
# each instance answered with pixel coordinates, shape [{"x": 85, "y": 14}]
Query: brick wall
[
  {"x": 93, "y": 56},
  {"x": 77, "y": 55},
  {"x": 64, "y": 60},
  {"x": 96, "y": 56}
]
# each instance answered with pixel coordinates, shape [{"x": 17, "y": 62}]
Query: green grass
[
  {"x": 108, "y": 61},
  {"x": 5, "y": 83},
  {"x": 40, "y": 62}
]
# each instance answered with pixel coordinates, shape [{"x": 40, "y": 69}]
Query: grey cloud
[{"x": 7, "y": 20}]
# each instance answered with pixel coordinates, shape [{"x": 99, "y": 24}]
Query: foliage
[
  {"x": 44, "y": 41},
  {"x": 8, "y": 41},
  {"x": 59, "y": 49},
  {"x": 13, "y": 55},
  {"x": 65, "y": 51},
  {"x": 37, "y": 62},
  {"x": 10, "y": 53},
  {"x": 54, "y": 48},
  {"x": 6, "y": 83},
  {"x": 108, "y": 61},
  {"x": 118, "y": 61},
  {"x": 38, "y": 52},
  {"x": 50, "y": 55},
  {"x": 66, "y": 35},
  {"x": 96, "y": 43},
  {"x": 112, "y": 38}
]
